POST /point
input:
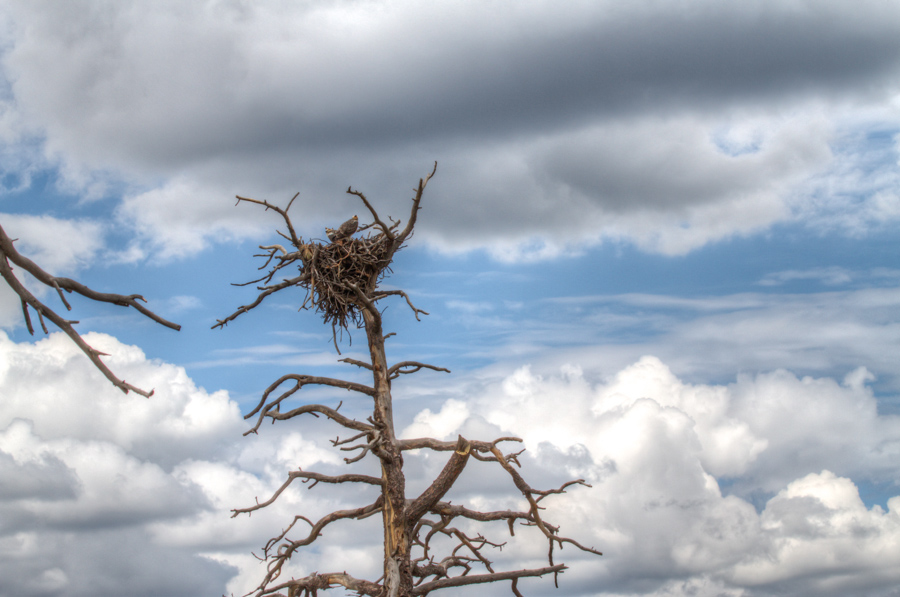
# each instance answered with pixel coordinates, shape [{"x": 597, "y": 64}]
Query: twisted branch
[
  {"x": 286, "y": 550},
  {"x": 407, "y": 367}
]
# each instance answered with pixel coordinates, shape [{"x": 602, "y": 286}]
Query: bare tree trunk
[{"x": 397, "y": 567}]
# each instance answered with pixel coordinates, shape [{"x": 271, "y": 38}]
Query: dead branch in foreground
[
  {"x": 8, "y": 253},
  {"x": 340, "y": 279}
]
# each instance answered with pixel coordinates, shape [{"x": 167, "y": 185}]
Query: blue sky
[{"x": 660, "y": 246}]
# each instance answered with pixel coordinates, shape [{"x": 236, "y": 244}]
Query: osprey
[{"x": 345, "y": 230}]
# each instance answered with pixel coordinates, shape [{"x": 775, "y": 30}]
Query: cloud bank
[
  {"x": 749, "y": 488},
  {"x": 664, "y": 125}
]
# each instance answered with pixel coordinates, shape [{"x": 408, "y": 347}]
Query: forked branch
[
  {"x": 8, "y": 253},
  {"x": 414, "y": 211},
  {"x": 283, "y": 212},
  {"x": 284, "y": 551}
]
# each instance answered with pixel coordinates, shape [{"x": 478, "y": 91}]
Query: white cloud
[
  {"x": 710, "y": 337},
  {"x": 469, "y": 307},
  {"x": 832, "y": 276},
  {"x": 94, "y": 471},
  {"x": 858, "y": 192},
  {"x": 96, "y": 482},
  {"x": 180, "y": 421},
  {"x": 102, "y": 490},
  {"x": 184, "y": 217},
  {"x": 818, "y": 528},
  {"x": 57, "y": 245},
  {"x": 655, "y": 449},
  {"x": 440, "y": 424}
]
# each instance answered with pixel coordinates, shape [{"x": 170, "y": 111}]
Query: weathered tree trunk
[{"x": 397, "y": 567}]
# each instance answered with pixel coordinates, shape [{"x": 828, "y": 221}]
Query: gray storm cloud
[{"x": 554, "y": 128}]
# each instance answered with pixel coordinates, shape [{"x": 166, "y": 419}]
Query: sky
[{"x": 660, "y": 247}]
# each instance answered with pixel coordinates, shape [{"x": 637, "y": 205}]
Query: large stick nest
[{"x": 339, "y": 273}]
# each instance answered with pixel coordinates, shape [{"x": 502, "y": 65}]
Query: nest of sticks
[
  {"x": 338, "y": 274},
  {"x": 341, "y": 277}
]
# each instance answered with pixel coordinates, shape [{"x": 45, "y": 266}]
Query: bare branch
[
  {"x": 388, "y": 231},
  {"x": 271, "y": 411},
  {"x": 360, "y": 364},
  {"x": 414, "y": 211},
  {"x": 407, "y": 367},
  {"x": 273, "y": 248},
  {"x": 266, "y": 291},
  {"x": 316, "y": 478},
  {"x": 442, "y": 568},
  {"x": 9, "y": 253},
  {"x": 478, "y": 447},
  {"x": 449, "y": 511},
  {"x": 283, "y": 212},
  {"x": 385, "y": 293},
  {"x": 529, "y": 493},
  {"x": 306, "y": 380},
  {"x": 475, "y": 579},
  {"x": 287, "y": 549},
  {"x": 365, "y": 302},
  {"x": 515, "y": 588}
]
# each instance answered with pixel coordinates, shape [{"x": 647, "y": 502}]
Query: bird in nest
[{"x": 345, "y": 230}]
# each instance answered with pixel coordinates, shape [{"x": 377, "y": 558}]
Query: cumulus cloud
[
  {"x": 661, "y": 455},
  {"x": 666, "y": 125},
  {"x": 814, "y": 524},
  {"x": 188, "y": 422},
  {"x": 748, "y": 488},
  {"x": 92, "y": 469},
  {"x": 103, "y": 492},
  {"x": 96, "y": 484}
]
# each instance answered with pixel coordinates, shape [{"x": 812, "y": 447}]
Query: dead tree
[
  {"x": 8, "y": 253},
  {"x": 341, "y": 283}
]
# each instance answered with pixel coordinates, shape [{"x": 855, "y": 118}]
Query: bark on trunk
[{"x": 397, "y": 566}]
